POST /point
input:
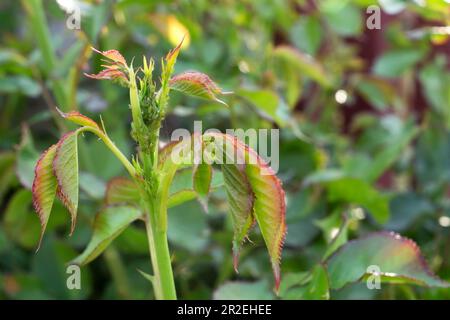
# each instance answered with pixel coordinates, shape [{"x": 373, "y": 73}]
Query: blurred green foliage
[{"x": 364, "y": 117}]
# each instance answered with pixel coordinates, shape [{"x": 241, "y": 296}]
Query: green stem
[{"x": 164, "y": 285}]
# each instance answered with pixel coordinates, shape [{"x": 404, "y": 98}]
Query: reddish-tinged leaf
[
  {"x": 78, "y": 118},
  {"x": 196, "y": 84},
  {"x": 269, "y": 210},
  {"x": 253, "y": 189},
  {"x": 108, "y": 74},
  {"x": 269, "y": 199},
  {"x": 240, "y": 201},
  {"x": 65, "y": 168},
  {"x": 171, "y": 57},
  {"x": 113, "y": 55},
  {"x": 44, "y": 187},
  {"x": 114, "y": 70},
  {"x": 122, "y": 190},
  {"x": 395, "y": 258}
]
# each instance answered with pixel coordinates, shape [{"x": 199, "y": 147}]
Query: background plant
[{"x": 388, "y": 139}]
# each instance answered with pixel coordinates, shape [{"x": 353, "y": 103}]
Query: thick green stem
[{"x": 164, "y": 285}]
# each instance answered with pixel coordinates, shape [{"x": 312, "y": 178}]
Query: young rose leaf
[
  {"x": 171, "y": 57},
  {"x": 396, "y": 259},
  {"x": 116, "y": 68},
  {"x": 65, "y": 168},
  {"x": 109, "y": 73},
  {"x": 269, "y": 210},
  {"x": 109, "y": 223},
  {"x": 269, "y": 199},
  {"x": 196, "y": 84},
  {"x": 112, "y": 55},
  {"x": 78, "y": 118},
  {"x": 240, "y": 201},
  {"x": 44, "y": 187},
  {"x": 202, "y": 177}
]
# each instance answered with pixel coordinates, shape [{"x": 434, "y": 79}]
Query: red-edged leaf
[
  {"x": 78, "y": 118},
  {"x": 269, "y": 199},
  {"x": 171, "y": 57},
  {"x": 44, "y": 187},
  {"x": 108, "y": 74},
  {"x": 115, "y": 69},
  {"x": 395, "y": 258},
  {"x": 253, "y": 189},
  {"x": 269, "y": 209},
  {"x": 113, "y": 55},
  {"x": 65, "y": 168},
  {"x": 196, "y": 84},
  {"x": 122, "y": 190},
  {"x": 240, "y": 201}
]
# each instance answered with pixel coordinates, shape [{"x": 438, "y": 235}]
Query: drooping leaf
[
  {"x": 196, "y": 84},
  {"x": 78, "y": 118},
  {"x": 269, "y": 206},
  {"x": 44, "y": 187},
  {"x": 269, "y": 210},
  {"x": 398, "y": 260},
  {"x": 65, "y": 167},
  {"x": 240, "y": 202},
  {"x": 122, "y": 190},
  {"x": 108, "y": 224}
]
